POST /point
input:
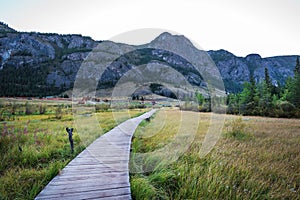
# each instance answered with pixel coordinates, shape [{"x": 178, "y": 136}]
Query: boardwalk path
[{"x": 100, "y": 171}]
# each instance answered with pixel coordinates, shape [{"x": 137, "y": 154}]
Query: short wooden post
[{"x": 70, "y": 132}]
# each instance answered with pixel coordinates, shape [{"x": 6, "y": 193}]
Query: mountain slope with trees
[
  {"x": 45, "y": 64},
  {"x": 264, "y": 98}
]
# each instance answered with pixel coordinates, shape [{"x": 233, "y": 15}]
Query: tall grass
[
  {"x": 257, "y": 158},
  {"x": 35, "y": 147}
]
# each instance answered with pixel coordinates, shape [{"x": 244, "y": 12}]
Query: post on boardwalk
[{"x": 70, "y": 132}]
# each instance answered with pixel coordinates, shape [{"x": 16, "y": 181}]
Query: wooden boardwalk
[{"x": 100, "y": 171}]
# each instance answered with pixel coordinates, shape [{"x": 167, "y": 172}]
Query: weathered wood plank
[
  {"x": 84, "y": 183},
  {"x": 61, "y": 189},
  {"x": 90, "y": 177},
  {"x": 100, "y": 171},
  {"x": 115, "y": 192}
]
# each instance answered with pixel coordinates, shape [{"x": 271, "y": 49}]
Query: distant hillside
[
  {"x": 236, "y": 70},
  {"x": 39, "y": 64}
]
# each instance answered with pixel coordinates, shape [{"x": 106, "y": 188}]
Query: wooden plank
[
  {"x": 92, "y": 176},
  {"x": 83, "y": 183},
  {"x": 115, "y": 192},
  {"x": 86, "y": 187},
  {"x": 62, "y": 188},
  {"x": 99, "y": 172}
]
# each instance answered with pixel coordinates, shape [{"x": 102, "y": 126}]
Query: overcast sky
[{"x": 266, "y": 27}]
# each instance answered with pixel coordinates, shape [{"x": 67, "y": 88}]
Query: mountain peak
[
  {"x": 168, "y": 38},
  {"x": 221, "y": 51},
  {"x": 253, "y": 56},
  {"x": 165, "y": 34}
]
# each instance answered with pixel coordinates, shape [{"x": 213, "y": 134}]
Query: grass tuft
[
  {"x": 142, "y": 189},
  {"x": 237, "y": 129}
]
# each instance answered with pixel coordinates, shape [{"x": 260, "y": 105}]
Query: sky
[{"x": 266, "y": 27}]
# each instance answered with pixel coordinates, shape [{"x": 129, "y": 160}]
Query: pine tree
[
  {"x": 252, "y": 81},
  {"x": 286, "y": 93},
  {"x": 267, "y": 92},
  {"x": 268, "y": 79},
  {"x": 295, "y": 90},
  {"x": 297, "y": 68},
  {"x": 232, "y": 102},
  {"x": 246, "y": 99},
  {"x": 200, "y": 98}
]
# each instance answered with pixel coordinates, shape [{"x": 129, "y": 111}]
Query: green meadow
[
  {"x": 255, "y": 158},
  {"x": 34, "y": 144}
]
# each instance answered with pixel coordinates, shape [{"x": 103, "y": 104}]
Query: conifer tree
[
  {"x": 268, "y": 79},
  {"x": 297, "y": 68},
  {"x": 295, "y": 86}
]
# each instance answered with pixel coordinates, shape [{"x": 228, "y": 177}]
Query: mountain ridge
[{"x": 33, "y": 64}]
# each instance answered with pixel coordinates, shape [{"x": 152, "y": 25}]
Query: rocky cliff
[
  {"x": 236, "y": 70},
  {"x": 40, "y": 64}
]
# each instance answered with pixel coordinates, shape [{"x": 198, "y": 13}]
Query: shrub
[
  {"x": 42, "y": 109},
  {"x": 189, "y": 106},
  {"x": 286, "y": 109},
  {"x": 137, "y": 106},
  {"x": 28, "y": 109},
  {"x": 102, "y": 107},
  {"x": 205, "y": 108},
  {"x": 59, "y": 112},
  {"x": 236, "y": 128}
]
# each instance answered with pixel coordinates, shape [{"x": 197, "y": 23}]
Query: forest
[{"x": 266, "y": 99}]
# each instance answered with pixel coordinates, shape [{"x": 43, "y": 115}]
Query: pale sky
[{"x": 266, "y": 27}]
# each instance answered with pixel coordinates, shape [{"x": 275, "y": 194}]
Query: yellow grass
[{"x": 265, "y": 165}]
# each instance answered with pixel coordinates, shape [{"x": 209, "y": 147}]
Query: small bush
[
  {"x": 189, "y": 106},
  {"x": 59, "y": 112},
  {"x": 285, "y": 109},
  {"x": 237, "y": 129},
  {"x": 137, "y": 106},
  {"x": 102, "y": 107},
  {"x": 28, "y": 109},
  {"x": 42, "y": 109}
]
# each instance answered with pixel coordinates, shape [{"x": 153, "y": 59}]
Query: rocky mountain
[
  {"x": 33, "y": 64},
  {"x": 42, "y": 64},
  {"x": 236, "y": 70}
]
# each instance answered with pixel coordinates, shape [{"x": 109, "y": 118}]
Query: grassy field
[
  {"x": 34, "y": 147},
  {"x": 255, "y": 158}
]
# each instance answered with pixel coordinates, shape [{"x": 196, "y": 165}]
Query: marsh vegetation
[
  {"x": 34, "y": 144},
  {"x": 255, "y": 158}
]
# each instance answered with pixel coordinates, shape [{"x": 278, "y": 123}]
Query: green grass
[
  {"x": 45, "y": 145},
  {"x": 237, "y": 129},
  {"x": 256, "y": 158}
]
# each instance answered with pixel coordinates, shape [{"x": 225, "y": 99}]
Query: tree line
[
  {"x": 27, "y": 81},
  {"x": 266, "y": 99}
]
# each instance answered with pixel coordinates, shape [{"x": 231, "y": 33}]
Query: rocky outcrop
[
  {"x": 34, "y": 64},
  {"x": 236, "y": 70}
]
